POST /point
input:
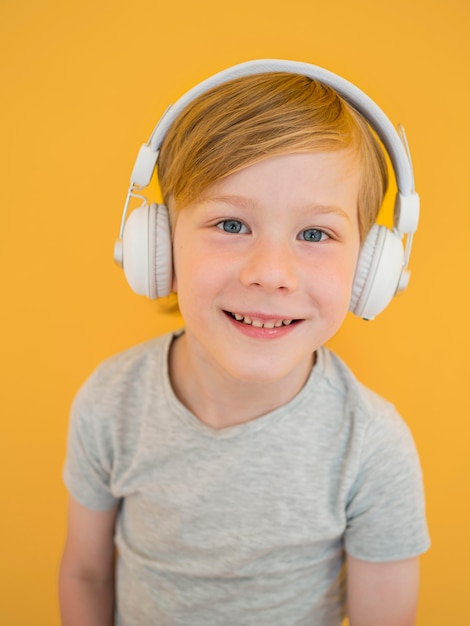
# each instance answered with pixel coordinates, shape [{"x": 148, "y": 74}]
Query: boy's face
[{"x": 264, "y": 264}]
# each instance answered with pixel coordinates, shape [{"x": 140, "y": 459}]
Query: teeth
[{"x": 258, "y": 323}]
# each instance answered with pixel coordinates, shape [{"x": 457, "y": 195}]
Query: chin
[{"x": 268, "y": 369}]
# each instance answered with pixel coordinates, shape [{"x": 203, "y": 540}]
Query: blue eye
[
  {"x": 313, "y": 235},
  {"x": 231, "y": 226}
]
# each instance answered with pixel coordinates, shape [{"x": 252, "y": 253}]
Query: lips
[{"x": 258, "y": 322}]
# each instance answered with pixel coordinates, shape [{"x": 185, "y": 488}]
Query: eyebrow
[
  {"x": 248, "y": 204},
  {"x": 240, "y": 201}
]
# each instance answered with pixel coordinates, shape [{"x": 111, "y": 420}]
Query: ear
[
  {"x": 147, "y": 256},
  {"x": 378, "y": 272}
]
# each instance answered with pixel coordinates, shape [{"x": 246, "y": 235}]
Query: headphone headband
[{"x": 352, "y": 94}]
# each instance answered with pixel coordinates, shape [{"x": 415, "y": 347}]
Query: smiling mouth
[{"x": 258, "y": 323}]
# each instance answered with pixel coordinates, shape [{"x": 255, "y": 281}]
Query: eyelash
[{"x": 319, "y": 235}]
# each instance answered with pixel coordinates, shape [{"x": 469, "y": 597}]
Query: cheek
[
  {"x": 332, "y": 289},
  {"x": 195, "y": 274},
  {"x": 181, "y": 261},
  {"x": 334, "y": 274}
]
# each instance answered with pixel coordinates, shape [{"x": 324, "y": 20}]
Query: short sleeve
[
  {"x": 88, "y": 463},
  {"x": 386, "y": 511}
]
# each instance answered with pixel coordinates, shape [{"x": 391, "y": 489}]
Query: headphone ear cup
[
  {"x": 147, "y": 255},
  {"x": 378, "y": 272}
]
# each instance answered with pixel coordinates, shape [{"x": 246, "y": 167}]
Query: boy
[{"x": 243, "y": 473}]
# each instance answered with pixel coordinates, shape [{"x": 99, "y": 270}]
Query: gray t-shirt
[{"x": 247, "y": 525}]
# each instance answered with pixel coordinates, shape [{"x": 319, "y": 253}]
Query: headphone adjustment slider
[
  {"x": 406, "y": 213},
  {"x": 144, "y": 166}
]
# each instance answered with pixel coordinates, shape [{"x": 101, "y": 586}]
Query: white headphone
[{"x": 144, "y": 245}]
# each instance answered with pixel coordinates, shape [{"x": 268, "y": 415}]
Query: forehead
[{"x": 289, "y": 176}]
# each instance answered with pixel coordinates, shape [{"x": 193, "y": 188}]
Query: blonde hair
[{"x": 255, "y": 117}]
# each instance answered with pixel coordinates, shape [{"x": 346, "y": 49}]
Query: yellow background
[{"x": 82, "y": 84}]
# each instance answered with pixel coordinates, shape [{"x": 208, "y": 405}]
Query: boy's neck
[{"x": 220, "y": 401}]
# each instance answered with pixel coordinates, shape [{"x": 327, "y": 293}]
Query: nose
[{"x": 271, "y": 265}]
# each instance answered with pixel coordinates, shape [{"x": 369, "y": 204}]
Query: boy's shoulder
[
  {"x": 362, "y": 404},
  {"x": 130, "y": 362},
  {"x": 125, "y": 375},
  {"x": 342, "y": 380}
]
